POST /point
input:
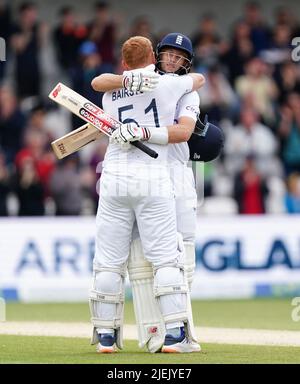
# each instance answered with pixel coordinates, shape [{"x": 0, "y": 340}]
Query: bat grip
[{"x": 145, "y": 149}]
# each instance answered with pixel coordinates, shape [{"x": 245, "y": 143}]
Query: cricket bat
[
  {"x": 91, "y": 113},
  {"x": 73, "y": 141}
]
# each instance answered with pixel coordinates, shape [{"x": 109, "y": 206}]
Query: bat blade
[
  {"x": 73, "y": 141},
  {"x": 91, "y": 113}
]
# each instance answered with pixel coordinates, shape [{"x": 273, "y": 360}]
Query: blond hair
[{"x": 137, "y": 52}]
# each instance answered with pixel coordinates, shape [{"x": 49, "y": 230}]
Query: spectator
[
  {"x": 251, "y": 137},
  {"x": 260, "y": 33},
  {"x": 12, "y": 124},
  {"x": 289, "y": 132},
  {"x": 292, "y": 198},
  {"x": 4, "y": 186},
  {"x": 26, "y": 43},
  {"x": 257, "y": 89},
  {"x": 35, "y": 148},
  {"x": 240, "y": 51},
  {"x": 207, "y": 44},
  {"x": 90, "y": 65},
  {"x": 285, "y": 16},
  {"x": 217, "y": 97},
  {"x": 5, "y": 32},
  {"x": 102, "y": 30},
  {"x": 250, "y": 190},
  {"x": 66, "y": 188},
  {"x": 37, "y": 123},
  {"x": 280, "y": 48},
  {"x": 68, "y": 36},
  {"x": 141, "y": 26},
  {"x": 29, "y": 189},
  {"x": 289, "y": 81},
  {"x": 5, "y": 20}
]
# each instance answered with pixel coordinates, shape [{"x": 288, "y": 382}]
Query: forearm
[
  {"x": 198, "y": 80},
  {"x": 169, "y": 135},
  {"x": 107, "y": 82},
  {"x": 176, "y": 133}
]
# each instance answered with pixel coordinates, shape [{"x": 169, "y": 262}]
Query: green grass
[
  {"x": 33, "y": 349},
  {"x": 259, "y": 313},
  {"x": 262, "y": 313}
]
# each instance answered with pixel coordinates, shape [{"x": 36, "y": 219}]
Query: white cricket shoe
[
  {"x": 106, "y": 343},
  {"x": 179, "y": 344}
]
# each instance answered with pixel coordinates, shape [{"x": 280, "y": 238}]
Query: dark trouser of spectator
[
  {"x": 2, "y": 70},
  {"x": 31, "y": 200},
  {"x": 3, "y": 199},
  {"x": 291, "y": 168},
  {"x": 28, "y": 84}
]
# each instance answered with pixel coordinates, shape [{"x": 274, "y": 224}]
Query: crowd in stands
[{"x": 252, "y": 92}]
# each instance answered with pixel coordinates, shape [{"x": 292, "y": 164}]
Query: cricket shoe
[
  {"x": 106, "y": 343},
  {"x": 179, "y": 344}
]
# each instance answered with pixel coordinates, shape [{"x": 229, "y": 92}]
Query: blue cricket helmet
[
  {"x": 206, "y": 142},
  {"x": 178, "y": 41}
]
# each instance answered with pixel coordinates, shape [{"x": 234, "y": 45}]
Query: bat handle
[{"x": 145, "y": 149}]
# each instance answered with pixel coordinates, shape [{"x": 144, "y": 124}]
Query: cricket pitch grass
[{"x": 230, "y": 331}]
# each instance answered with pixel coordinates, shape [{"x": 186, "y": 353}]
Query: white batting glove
[
  {"x": 142, "y": 80},
  {"x": 127, "y": 133}
]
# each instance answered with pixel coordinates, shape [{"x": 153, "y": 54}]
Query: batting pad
[
  {"x": 107, "y": 308},
  {"x": 151, "y": 327}
]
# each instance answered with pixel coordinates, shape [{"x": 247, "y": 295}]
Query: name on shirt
[{"x": 121, "y": 93}]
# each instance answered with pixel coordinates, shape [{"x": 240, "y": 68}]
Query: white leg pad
[
  {"x": 151, "y": 327},
  {"x": 107, "y": 302},
  {"x": 170, "y": 289},
  {"x": 190, "y": 262}
]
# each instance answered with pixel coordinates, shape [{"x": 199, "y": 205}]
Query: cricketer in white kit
[
  {"x": 150, "y": 323},
  {"x": 136, "y": 187},
  {"x": 173, "y": 55}
]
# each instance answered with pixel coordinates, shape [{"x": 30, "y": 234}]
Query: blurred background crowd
[{"x": 252, "y": 91}]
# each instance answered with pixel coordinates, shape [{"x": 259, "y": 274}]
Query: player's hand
[
  {"x": 142, "y": 80},
  {"x": 201, "y": 128},
  {"x": 129, "y": 132}
]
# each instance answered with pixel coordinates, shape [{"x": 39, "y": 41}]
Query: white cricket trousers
[
  {"x": 142, "y": 193},
  {"x": 186, "y": 200}
]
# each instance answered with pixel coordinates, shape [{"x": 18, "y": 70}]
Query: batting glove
[
  {"x": 129, "y": 132},
  {"x": 142, "y": 80}
]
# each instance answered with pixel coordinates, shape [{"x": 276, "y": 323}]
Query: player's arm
[
  {"x": 198, "y": 80},
  {"x": 142, "y": 79},
  {"x": 187, "y": 111},
  {"x": 107, "y": 82},
  {"x": 176, "y": 133},
  {"x": 182, "y": 131}
]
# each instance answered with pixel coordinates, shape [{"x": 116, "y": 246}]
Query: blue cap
[{"x": 88, "y": 48}]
